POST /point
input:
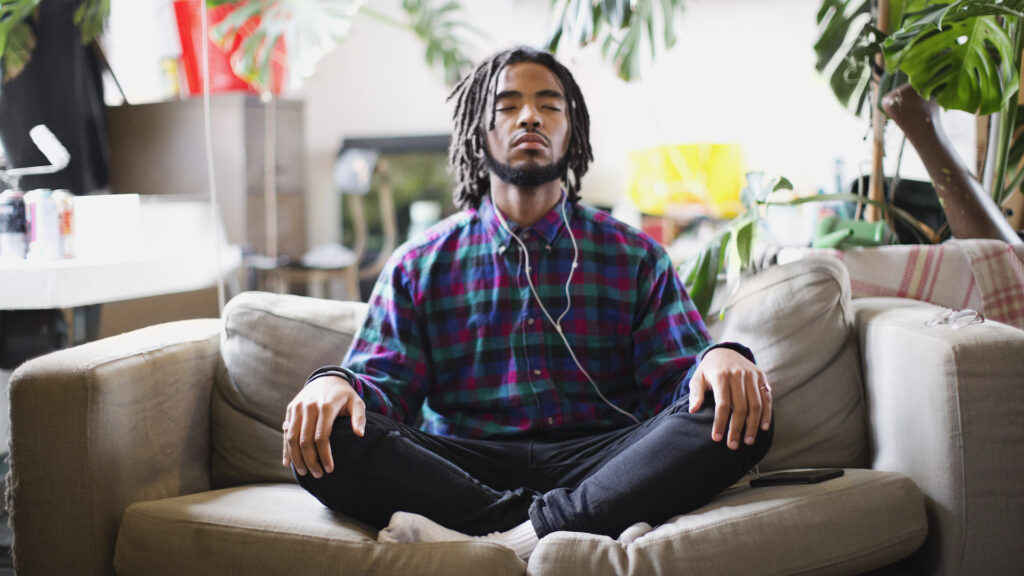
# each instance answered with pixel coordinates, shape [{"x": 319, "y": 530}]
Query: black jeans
[{"x": 600, "y": 484}]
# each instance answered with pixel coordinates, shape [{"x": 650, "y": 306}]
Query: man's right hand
[{"x": 310, "y": 418}]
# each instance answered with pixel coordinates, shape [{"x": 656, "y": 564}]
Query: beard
[{"x": 530, "y": 175}]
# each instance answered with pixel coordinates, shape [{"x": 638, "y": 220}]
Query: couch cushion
[
  {"x": 279, "y": 529},
  {"x": 858, "y": 522},
  {"x": 797, "y": 320},
  {"x": 270, "y": 344}
]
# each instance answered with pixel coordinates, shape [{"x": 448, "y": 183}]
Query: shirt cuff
[
  {"x": 734, "y": 346},
  {"x": 340, "y": 371}
]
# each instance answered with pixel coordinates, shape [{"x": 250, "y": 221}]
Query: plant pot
[{"x": 222, "y": 77}]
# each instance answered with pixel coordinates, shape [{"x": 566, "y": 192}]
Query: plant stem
[
  {"x": 380, "y": 17},
  {"x": 1007, "y": 120},
  {"x": 916, "y": 225},
  {"x": 876, "y": 188}
]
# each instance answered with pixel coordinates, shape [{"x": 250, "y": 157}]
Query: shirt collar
[{"x": 548, "y": 227}]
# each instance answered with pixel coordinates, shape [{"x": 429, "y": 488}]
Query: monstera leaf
[
  {"x": 310, "y": 29},
  {"x": 963, "y": 61},
  {"x": 844, "y": 47},
  {"x": 849, "y": 40}
]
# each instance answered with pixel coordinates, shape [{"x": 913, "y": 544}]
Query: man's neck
[{"x": 525, "y": 206}]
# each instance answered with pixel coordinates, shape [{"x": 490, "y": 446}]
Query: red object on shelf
[{"x": 222, "y": 78}]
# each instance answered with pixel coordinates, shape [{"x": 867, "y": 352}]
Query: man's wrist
[
  {"x": 734, "y": 346},
  {"x": 338, "y": 371}
]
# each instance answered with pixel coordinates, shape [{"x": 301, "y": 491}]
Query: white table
[
  {"x": 73, "y": 283},
  {"x": 131, "y": 248}
]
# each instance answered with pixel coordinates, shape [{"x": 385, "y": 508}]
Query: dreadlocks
[{"x": 474, "y": 101}]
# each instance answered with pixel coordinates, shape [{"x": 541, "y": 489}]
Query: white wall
[{"x": 742, "y": 71}]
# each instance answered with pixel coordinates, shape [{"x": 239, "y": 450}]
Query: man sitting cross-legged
[{"x": 562, "y": 377}]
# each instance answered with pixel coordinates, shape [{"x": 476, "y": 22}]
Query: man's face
[{"x": 528, "y": 144}]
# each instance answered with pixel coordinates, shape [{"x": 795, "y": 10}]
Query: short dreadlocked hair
[{"x": 474, "y": 101}]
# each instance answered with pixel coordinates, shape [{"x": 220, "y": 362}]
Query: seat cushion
[
  {"x": 279, "y": 529},
  {"x": 270, "y": 344},
  {"x": 861, "y": 521},
  {"x": 797, "y": 319}
]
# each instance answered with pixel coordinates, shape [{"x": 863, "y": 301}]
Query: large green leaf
[
  {"x": 437, "y": 25},
  {"x": 18, "y": 48},
  {"x": 900, "y": 10},
  {"x": 848, "y": 41},
  {"x": 90, "y": 17},
  {"x": 621, "y": 27},
  {"x": 844, "y": 46},
  {"x": 618, "y": 12},
  {"x": 962, "y": 9},
  {"x": 963, "y": 63},
  {"x": 17, "y": 39},
  {"x": 309, "y": 28},
  {"x": 700, "y": 273}
]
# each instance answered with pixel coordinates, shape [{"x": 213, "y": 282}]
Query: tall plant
[{"x": 962, "y": 54}]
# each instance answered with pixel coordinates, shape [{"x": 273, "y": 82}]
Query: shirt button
[
  {"x": 551, "y": 419},
  {"x": 537, "y": 372},
  {"x": 501, "y": 250},
  {"x": 548, "y": 247},
  {"x": 529, "y": 321}
]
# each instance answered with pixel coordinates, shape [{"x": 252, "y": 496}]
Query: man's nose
[{"x": 528, "y": 117}]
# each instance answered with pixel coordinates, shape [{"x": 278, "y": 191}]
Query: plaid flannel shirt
[{"x": 454, "y": 334}]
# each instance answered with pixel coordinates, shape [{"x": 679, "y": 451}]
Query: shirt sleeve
[
  {"x": 387, "y": 361},
  {"x": 669, "y": 336}
]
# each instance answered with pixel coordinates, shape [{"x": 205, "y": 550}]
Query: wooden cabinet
[{"x": 159, "y": 149}]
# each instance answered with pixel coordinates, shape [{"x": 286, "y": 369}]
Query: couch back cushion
[
  {"x": 796, "y": 318},
  {"x": 798, "y": 322},
  {"x": 270, "y": 344}
]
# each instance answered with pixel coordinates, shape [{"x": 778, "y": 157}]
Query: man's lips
[{"x": 530, "y": 140}]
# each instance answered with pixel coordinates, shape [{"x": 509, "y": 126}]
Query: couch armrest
[
  {"x": 946, "y": 408},
  {"x": 99, "y": 426}
]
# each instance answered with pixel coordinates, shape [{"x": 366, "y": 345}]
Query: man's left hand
[{"x": 743, "y": 397}]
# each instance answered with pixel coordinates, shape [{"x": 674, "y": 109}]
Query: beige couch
[{"x": 158, "y": 452}]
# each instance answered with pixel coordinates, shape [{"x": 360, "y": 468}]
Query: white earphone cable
[
  {"x": 558, "y": 324},
  {"x": 215, "y": 223}
]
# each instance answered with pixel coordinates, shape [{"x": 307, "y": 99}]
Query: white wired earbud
[{"x": 568, "y": 298}]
